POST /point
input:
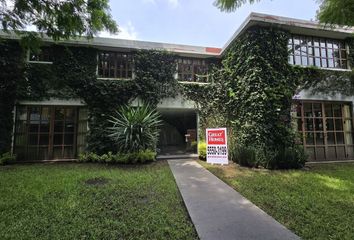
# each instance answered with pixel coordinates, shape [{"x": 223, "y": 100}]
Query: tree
[
  {"x": 331, "y": 12},
  {"x": 339, "y": 12},
  {"x": 58, "y": 19}
]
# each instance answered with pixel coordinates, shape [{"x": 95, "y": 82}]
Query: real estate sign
[{"x": 216, "y": 139}]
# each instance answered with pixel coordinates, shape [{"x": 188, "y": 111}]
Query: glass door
[
  {"x": 45, "y": 132},
  {"x": 326, "y": 130}
]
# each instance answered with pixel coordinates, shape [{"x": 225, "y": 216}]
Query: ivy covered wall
[
  {"x": 73, "y": 76},
  {"x": 11, "y": 77},
  {"x": 251, "y": 90}
]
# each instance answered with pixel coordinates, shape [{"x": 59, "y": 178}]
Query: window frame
[
  {"x": 193, "y": 65},
  {"x": 126, "y": 68},
  {"x": 28, "y": 54},
  {"x": 314, "y": 48}
]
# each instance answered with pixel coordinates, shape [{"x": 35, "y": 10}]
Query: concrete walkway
[{"x": 218, "y": 211}]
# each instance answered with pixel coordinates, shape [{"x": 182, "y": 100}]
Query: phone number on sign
[{"x": 217, "y": 150}]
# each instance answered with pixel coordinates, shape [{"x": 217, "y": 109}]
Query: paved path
[{"x": 218, "y": 211}]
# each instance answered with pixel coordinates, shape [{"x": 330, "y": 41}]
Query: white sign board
[{"x": 216, "y": 139}]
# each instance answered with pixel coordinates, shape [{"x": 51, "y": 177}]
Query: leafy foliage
[
  {"x": 339, "y": 12},
  {"x": 143, "y": 156},
  {"x": 58, "y": 19},
  {"x": 154, "y": 75},
  {"x": 331, "y": 12},
  {"x": 7, "y": 158},
  {"x": 202, "y": 148},
  {"x": 135, "y": 128},
  {"x": 11, "y": 65},
  {"x": 244, "y": 155},
  {"x": 231, "y": 5},
  {"x": 261, "y": 87}
]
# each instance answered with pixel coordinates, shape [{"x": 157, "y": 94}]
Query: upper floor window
[
  {"x": 115, "y": 65},
  {"x": 44, "y": 55},
  {"x": 319, "y": 52},
  {"x": 192, "y": 70}
]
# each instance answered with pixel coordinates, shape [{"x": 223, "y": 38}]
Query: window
[
  {"x": 45, "y": 55},
  {"x": 319, "y": 52},
  {"x": 192, "y": 70},
  {"x": 325, "y": 129},
  {"x": 115, "y": 65}
]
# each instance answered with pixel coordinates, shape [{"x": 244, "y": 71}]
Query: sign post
[{"x": 217, "y": 152}]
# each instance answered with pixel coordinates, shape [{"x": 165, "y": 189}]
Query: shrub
[
  {"x": 135, "y": 128},
  {"x": 202, "y": 148},
  {"x": 143, "y": 156},
  {"x": 288, "y": 158},
  {"x": 244, "y": 155},
  {"x": 7, "y": 158}
]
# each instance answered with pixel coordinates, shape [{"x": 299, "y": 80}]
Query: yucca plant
[{"x": 135, "y": 128}]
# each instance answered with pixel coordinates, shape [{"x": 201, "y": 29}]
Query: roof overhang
[{"x": 296, "y": 26}]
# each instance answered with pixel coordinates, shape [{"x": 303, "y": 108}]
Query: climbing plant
[
  {"x": 155, "y": 75},
  {"x": 11, "y": 72}
]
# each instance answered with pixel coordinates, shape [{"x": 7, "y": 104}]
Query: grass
[
  {"x": 91, "y": 201},
  {"x": 316, "y": 203}
]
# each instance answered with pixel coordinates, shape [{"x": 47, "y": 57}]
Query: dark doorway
[{"x": 178, "y": 132}]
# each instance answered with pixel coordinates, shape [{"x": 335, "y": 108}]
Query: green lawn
[
  {"x": 91, "y": 201},
  {"x": 317, "y": 203}
]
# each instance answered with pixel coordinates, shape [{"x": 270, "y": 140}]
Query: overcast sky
[{"x": 195, "y": 22}]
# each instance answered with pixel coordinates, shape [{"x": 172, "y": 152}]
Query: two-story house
[{"x": 57, "y": 128}]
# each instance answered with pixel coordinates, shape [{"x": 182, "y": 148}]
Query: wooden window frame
[
  {"x": 194, "y": 64},
  {"x": 121, "y": 69},
  {"x": 323, "y": 60},
  {"x": 325, "y": 131}
]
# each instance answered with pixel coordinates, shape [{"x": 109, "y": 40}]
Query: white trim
[
  {"x": 54, "y": 102},
  {"x": 323, "y": 68},
  {"x": 115, "y": 79},
  {"x": 13, "y": 130},
  {"x": 196, "y": 83},
  {"x": 40, "y": 62}
]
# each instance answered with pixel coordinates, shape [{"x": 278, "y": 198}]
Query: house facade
[{"x": 66, "y": 92}]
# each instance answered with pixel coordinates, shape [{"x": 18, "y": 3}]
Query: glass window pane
[
  {"x": 329, "y": 124},
  {"x": 33, "y": 139},
  {"x": 297, "y": 60},
  {"x": 69, "y": 139},
  {"x": 337, "y": 110},
  {"x": 58, "y": 126},
  {"x": 320, "y": 153},
  {"x": 58, "y": 139},
  {"x": 341, "y": 153},
  {"x": 43, "y": 139},
  {"x": 330, "y": 138},
  {"x": 332, "y": 153},
  {"x": 340, "y": 137},
  {"x": 338, "y": 124},
  {"x": 317, "y": 109},
  {"x": 328, "y": 110},
  {"x": 318, "y": 124},
  {"x": 309, "y": 137},
  {"x": 308, "y": 110},
  {"x": 320, "y": 139},
  {"x": 309, "y": 124}
]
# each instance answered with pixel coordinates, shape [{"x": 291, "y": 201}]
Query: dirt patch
[{"x": 99, "y": 181}]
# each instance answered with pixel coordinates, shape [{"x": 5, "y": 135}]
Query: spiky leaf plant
[{"x": 135, "y": 128}]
